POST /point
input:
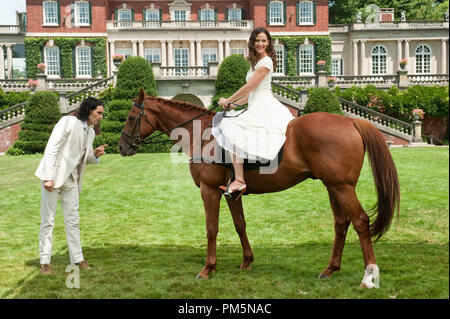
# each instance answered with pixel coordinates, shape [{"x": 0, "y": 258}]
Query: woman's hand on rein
[{"x": 223, "y": 102}]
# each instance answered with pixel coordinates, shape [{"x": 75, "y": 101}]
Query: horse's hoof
[
  {"x": 201, "y": 276},
  {"x": 322, "y": 276},
  {"x": 246, "y": 267}
]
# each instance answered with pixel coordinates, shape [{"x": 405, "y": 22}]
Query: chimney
[{"x": 386, "y": 14}]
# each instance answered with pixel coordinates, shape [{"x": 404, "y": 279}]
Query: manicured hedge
[
  {"x": 322, "y": 100},
  {"x": 231, "y": 76},
  {"x": 41, "y": 114}
]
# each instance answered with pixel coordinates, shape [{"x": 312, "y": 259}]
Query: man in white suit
[{"x": 68, "y": 150}]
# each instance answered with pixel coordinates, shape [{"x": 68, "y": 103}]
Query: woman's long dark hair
[
  {"x": 252, "y": 53},
  {"x": 85, "y": 108}
]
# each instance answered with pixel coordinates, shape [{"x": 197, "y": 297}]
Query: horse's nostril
[{"x": 120, "y": 148}]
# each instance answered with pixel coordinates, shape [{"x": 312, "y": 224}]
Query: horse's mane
[{"x": 180, "y": 104}]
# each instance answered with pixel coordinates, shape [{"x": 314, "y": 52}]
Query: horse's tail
[{"x": 385, "y": 176}]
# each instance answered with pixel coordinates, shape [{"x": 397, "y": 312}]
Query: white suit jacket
[{"x": 63, "y": 151}]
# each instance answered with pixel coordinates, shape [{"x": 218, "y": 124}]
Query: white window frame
[
  {"x": 279, "y": 50},
  {"x": 126, "y": 52},
  {"x": 77, "y": 12},
  {"x": 305, "y": 19},
  {"x": 423, "y": 59},
  {"x": 180, "y": 17},
  {"x": 307, "y": 60},
  {"x": 336, "y": 67},
  {"x": 203, "y": 15},
  {"x": 78, "y": 62},
  {"x": 124, "y": 23},
  {"x": 152, "y": 55},
  {"x": 184, "y": 62},
  {"x": 49, "y": 70},
  {"x": 150, "y": 15},
  {"x": 239, "y": 50},
  {"x": 379, "y": 60},
  {"x": 238, "y": 13},
  {"x": 275, "y": 19},
  {"x": 208, "y": 55},
  {"x": 45, "y": 8}
]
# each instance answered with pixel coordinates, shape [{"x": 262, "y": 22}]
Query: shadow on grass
[{"x": 143, "y": 271}]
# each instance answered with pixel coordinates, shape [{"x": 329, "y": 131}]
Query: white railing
[
  {"x": 10, "y": 29},
  {"x": 71, "y": 85},
  {"x": 306, "y": 81},
  {"x": 396, "y": 25},
  {"x": 16, "y": 85},
  {"x": 188, "y": 71},
  {"x": 114, "y": 25},
  {"x": 428, "y": 79},
  {"x": 12, "y": 115},
  {"x": 362, "y": 80}
]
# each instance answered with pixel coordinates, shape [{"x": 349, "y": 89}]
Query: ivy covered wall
[
  {"x": 34, "y": 55},
  {"x": 322, "y": 49}
]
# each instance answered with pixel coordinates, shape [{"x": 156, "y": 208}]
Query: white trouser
[{"x": 68, "y": 194}]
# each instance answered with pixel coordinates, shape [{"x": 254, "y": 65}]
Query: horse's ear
[{"x": 141, "y": 96}]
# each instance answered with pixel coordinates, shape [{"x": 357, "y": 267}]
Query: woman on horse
[{"x": 259, "y": 133}]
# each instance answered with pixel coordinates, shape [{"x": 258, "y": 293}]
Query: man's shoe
[
  {"x": 46, "y": 270},
  {"x": 83, "y": 264}
]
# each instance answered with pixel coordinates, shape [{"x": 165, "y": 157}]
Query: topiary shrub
[
  {"x": 41, "y": 114},
  {"x": 134, "y": 73},
  {"x": 322, "y": 100},
  {"x": 231, "y": 76},
  {"x": 116, "y": 114}
]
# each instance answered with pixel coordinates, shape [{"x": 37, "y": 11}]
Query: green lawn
[{"x": 143, "y": 229}]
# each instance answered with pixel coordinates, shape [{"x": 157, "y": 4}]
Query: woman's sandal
[{"x": 227, "y": 191}]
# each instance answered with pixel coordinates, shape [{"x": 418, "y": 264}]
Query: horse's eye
[{"x": 131, "y": 118}]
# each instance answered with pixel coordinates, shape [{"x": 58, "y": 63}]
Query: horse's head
[{"x": 140, "y": 124}]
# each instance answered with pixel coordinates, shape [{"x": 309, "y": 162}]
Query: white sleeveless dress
[{"x": 259, "y": 132}]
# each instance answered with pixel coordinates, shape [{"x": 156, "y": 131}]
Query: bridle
[{"x": 135, "y": 140}]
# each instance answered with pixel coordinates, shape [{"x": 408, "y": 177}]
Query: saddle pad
[{"x": 248, "y": 166}]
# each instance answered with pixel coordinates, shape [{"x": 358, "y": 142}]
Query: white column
[
  {"x": 363, "y": 57},
  {"x": 191, "y": 53},
  {"x": 170, "y": 53},
  {"x": 134, "y": 47},
  {"x": 2, "y": 62},
  {"x": 220, "y": 51},
  {"x": 444, "y": 56},
  {"x": 199, "y": 53},
  {"x": 399, "y": 52},
  {"x": 163, "y": 53},
  {"x": 355, "y": 58},
  {"x": 408, "y": 65},
  {"x": 141, "y": 48},
  {"x": 112, "y": 51},
  {"x": 227, "y": 48},
  {"x": 192, "y": 57},
  {"x": 9, "y": 57}
]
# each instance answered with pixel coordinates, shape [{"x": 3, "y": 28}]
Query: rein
[{"x": 137, "y": 140}]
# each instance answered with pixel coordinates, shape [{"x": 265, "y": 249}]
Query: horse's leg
[
  {"x": 211, "y": 201},
  {"x": 239, "y": 223},
  {"x": 341, "y": 223},
  {"x": 345, "y": 196}
]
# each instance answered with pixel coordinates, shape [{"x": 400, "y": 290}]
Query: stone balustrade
[{"x": 114, "y": 25}]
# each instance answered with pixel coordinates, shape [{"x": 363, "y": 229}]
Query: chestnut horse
[{"x": 322, "y": 146}]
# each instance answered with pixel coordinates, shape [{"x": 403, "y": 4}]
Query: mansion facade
[{"x": 185, "y": 39}]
